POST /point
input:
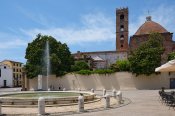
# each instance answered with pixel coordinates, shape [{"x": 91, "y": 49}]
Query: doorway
[
  {"x": 172, "y": 83},
  {"x": 5, "y": 83}
]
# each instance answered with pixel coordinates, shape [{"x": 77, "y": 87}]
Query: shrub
[
  {"x": 79, "y": 65},
  {"x": 84, "y": 72},
  {"x": 121, "y": 65},
  {"x": 99, "y": 71},
  {"x": 114, "y": 67},
  {"x": 102, "y": 71}
]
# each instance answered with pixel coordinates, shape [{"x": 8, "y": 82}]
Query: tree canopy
[
  {"x": 60, "y": 56},
  {"x": 147, "y": 57}
]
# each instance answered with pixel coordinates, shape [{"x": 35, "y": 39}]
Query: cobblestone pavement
[{"x": 144, "y": 103}]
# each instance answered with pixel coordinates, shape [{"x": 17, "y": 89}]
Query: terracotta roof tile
[{"x": 150, "y": 26}]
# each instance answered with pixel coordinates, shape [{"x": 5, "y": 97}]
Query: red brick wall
[
  {"x": 119, "y": 22},
  {"x": 137, "y": 40}
]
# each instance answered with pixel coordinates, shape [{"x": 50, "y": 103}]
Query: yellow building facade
[{"x": 17, "y": 71}]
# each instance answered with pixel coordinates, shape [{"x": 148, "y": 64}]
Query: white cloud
[
  {"x": 133, "y": 26},
  {"x": 95, "y": 28},
  {"x": 10, "y": 41},
  {"x": 97, "y": 20},
  {"x": 164, "y": 15},
  {"x": 35, "y": 17},
  {"x": 12, "y": 44}
]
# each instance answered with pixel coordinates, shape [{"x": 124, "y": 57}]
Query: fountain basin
[{"x": 51, "y": 98}]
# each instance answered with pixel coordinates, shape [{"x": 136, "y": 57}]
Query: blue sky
[{"x": 85, "y": 25}]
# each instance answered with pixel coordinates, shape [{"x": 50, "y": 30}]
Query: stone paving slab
[{"x": 144, "y": 103}]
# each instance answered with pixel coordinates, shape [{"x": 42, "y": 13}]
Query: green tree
[
  {"x": 147, "y": 57},
  {"x": 121, "y": 65},
  {"x": 80, "y": 65},
  {"x": 171, "y": 56},
  {"x": 60, "y": 56}
]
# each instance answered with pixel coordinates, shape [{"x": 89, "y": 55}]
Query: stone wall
[
  {"x": 110, "y": 57},
  {"x": 119, "y": 80}
]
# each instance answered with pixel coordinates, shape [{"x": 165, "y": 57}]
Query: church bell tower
[{"x": 122, "y": 29}]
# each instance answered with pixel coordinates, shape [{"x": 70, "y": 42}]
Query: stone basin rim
[{"x": 4, "y": 96}]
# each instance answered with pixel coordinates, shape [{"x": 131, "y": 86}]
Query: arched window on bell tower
[
  {"x": 121, "y": 42},
  {"x": 122, "y": 17},
  {"x": 121, "y": 27},
  {"x": 122, "y": 37}
]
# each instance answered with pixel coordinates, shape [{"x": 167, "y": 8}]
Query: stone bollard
[
  {"x": 41, "y": 106},
  {"x": 107, "y": 101},
  {"x": 0, "y": 108},
  {"x": 104, "y": 92},
  {"x": 119, "y": 96},
  {"x": 114, "y": 93},
  {"x": 92, "y": 90},
  {"x": 81, "y": 103},
  {"x": 64, "y": 89}
]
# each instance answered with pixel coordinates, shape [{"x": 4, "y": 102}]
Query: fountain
[
  {"x": 51, "y": 97},
  {"x": 46, "y": 69},
  {"x": 40, "y": 87},
  {"x": 47, "y": 62}
]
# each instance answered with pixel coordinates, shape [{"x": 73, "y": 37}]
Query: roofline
[
  {"x": 145, "y": 23},
  {"x": 3, "y": 64},
  {"x": 12, "y": 61},
  {"x": 115, "y": 51},
  {"x": 149, "y": 34}
]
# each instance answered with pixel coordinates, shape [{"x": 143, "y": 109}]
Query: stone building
[
  {"x": 103, "y": 59},
  {"x": 6, "y": 77},
  {"x": 17, "y": 71},
  {"x": 122, "y": 44},
  {"x": 100, "y": 59},
  {"x": 148, "y": 27},
  {"x": 141, "y": 34}
]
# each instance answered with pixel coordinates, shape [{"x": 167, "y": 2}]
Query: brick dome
[{"x": 150, "y": 26}]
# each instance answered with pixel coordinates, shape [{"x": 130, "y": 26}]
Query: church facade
[
  {"x": 144, "y": 31},
  {"x": 103, "y": 59}
]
